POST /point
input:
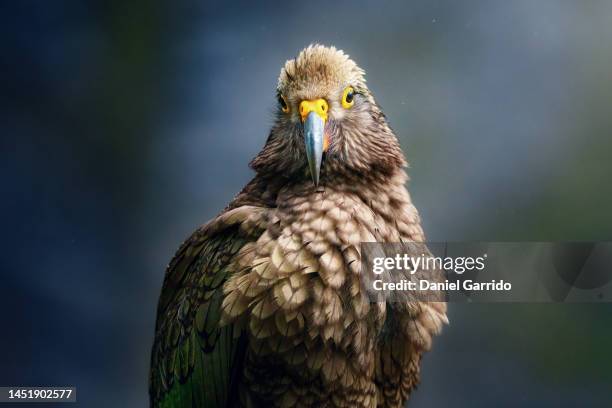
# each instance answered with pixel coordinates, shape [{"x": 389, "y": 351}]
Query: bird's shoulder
[{"x": 188, "y": 338}]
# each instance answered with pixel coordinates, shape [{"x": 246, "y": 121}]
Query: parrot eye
[
  {"x": 283, "y": 103},
  {"x": 348, "y": 97}
]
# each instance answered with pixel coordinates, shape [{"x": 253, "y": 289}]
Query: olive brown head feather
[{"x": 327, "y": 120}]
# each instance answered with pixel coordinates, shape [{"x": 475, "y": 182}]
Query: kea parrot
[{"x": 262, "y": 306}]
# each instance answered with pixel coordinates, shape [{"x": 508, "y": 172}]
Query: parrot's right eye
[{"x": 283, "y": 103}]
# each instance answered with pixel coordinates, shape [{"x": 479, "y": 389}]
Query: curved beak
[
  {"x": 313, "y": 138},
  {"x": 314, "y": 115}
]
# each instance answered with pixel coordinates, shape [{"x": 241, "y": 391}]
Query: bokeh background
[{"x": 126, "y": 124}]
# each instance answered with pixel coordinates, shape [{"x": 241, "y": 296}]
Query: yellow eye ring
[
  {"x": 348, "y": 97},
  {"x": 283, "y": 103}
]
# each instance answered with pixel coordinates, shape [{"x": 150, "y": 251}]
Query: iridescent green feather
[{"x": 194, "y": 362}]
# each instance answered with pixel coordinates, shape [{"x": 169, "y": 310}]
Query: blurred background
[{"x": 127, "y": 124}]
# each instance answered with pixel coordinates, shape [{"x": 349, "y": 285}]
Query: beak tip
[{"x": 314, "y": 174}]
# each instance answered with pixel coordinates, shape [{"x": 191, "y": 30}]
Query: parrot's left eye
[
  {"x": 283, "y": 103},
  {"x": 348, "y": 97}
]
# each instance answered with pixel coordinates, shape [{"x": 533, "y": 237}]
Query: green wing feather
[{"x": 194, "y": 362}]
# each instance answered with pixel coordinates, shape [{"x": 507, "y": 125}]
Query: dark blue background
[{"x": 124, "y": 125}]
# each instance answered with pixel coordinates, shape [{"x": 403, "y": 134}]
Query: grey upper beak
[{"x": 313, "y": 139}]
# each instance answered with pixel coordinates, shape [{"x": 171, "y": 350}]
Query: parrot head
[{"x": 327, "y": 121}]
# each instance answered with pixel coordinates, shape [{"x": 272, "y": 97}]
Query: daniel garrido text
[{"x": 423, "y": 284}]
